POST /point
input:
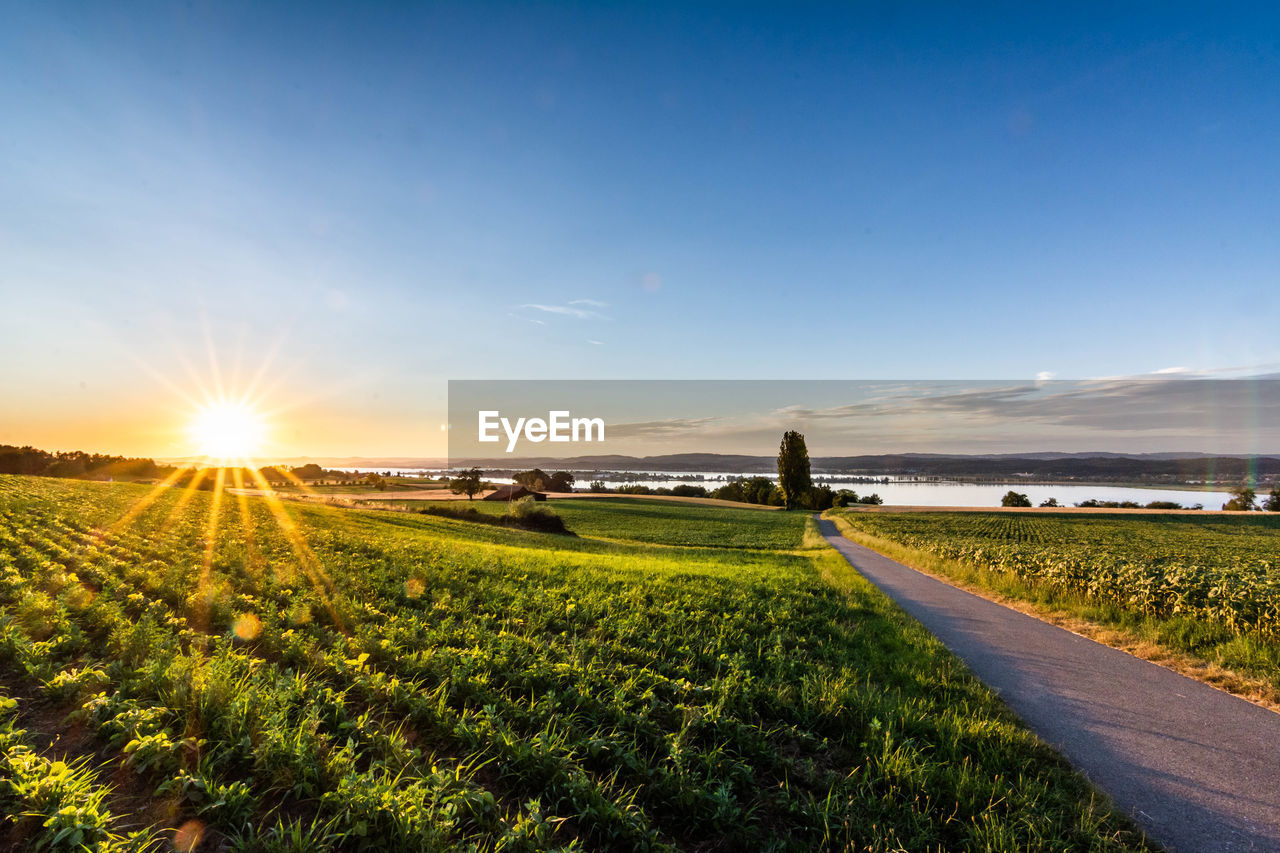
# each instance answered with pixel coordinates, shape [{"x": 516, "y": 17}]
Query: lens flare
[{"x": 228, "y": 432}]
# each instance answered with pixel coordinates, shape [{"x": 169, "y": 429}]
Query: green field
[
  {"x": 1205, "y": 584},
  {"x": 357, "y": 486},
  {"x": 305, "y": 677},
  {"x": 657, "y": 521}
]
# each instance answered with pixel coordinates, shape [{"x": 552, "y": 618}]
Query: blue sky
[{"x": 390, "y": 198}]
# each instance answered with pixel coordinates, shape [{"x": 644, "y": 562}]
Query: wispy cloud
[
  {"x": 662, "y": 429},
  {"x": 1264, "y": 370},
  {"x": 1172, "y": 402},
  {"x": 596, "y": 343},
  {"x": 580, "y": 309}
]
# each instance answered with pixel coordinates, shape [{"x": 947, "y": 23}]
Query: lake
[
  {"x": 908, "y": 493},
  {"x": 989, "y": 494},
  {"x": 911, "y": 493}
]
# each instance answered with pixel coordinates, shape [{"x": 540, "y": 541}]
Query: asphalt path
[{"x": 1197, "y": 768}]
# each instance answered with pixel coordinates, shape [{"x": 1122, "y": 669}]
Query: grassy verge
[{"x": 1242, "y": 663}]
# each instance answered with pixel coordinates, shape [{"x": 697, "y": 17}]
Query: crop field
[
  {"x": 216, "y": 672},
  {"x": 1221, "y": 571}
]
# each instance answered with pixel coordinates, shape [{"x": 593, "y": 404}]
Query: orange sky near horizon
[
  {"x": 162, "y": 432},
  {"x": 130, "y": 413}
]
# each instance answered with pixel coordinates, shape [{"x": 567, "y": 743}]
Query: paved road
[{"x": 1199, "y": 769}]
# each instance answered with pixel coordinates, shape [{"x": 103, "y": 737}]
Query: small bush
[
  {"x": 532, "y": 514},
  {"x": 538, "y": 517}
]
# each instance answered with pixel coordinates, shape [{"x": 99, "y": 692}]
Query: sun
[{"x": 228, "y": 432}]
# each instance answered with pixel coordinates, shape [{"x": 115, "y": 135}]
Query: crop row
[
  {"x": 383, "y": 681},
  {"x": 1223, "y": 570}
]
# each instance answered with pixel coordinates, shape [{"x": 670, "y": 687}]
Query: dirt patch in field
[
  {"x": 673, "y": 498},
  {"x": 53, "y": 733},
  {"x": 389, "y": 495},
  {"x": 446, "y": 495}
]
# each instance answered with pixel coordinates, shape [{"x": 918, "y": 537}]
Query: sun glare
[{"x": 228, "y": 432}]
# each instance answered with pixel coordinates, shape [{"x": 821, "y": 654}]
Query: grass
[
  {"x": 310, "y": 677},
  {"x": 1206, "y": 587},
  {"x": 659, "y": 522},
  {"x": 402, "y": 484}
]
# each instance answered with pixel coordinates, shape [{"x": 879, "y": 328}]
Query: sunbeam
[
  {"x": 210, "y": 545},
  {"x": 310, "y": 563},
  {"x": 253, "y": 561}
]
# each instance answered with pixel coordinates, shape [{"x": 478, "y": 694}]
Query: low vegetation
[
  {"x": 1208, "y": 585},
  {"x": 296, "y": 676},
  {"x": 761, "y": 491},
  {"x": 656, "y": 521},
  {"x": 525, "y": 514},
  {"x": 1094, "y": 503}
]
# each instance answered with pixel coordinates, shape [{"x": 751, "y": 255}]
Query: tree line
[
  {"x": 76, "y": 463},
  {"x": 1243, "y": 498},
  {"x": 471, "y": 482},
  {"x": 794, "y": 487}
]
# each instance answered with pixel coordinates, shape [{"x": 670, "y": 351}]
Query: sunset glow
[{"x": 228, "y": 432}]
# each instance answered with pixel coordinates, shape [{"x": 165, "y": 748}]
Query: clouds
[
  {"x": 542, "y": 313},
  {"x": 668, "y": 428},
  {"x": 1143, "y": 415},
  {"x": 1170, "y": 412},
  {"x": 1101, "y": 412},
  {"x": 578, "y": 309}
]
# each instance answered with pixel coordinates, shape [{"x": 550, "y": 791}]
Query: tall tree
[
  {"x": 793, "y": 469},
  {"x": 535, "y": 479},
  {"x": 467, "y": 483},
  {"x": 1242, "y": 498},
  {"x": 561, "y": 481}
]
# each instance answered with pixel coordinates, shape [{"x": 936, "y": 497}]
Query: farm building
[{"x": 513, "y": 492}]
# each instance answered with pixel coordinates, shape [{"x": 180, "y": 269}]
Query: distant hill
[
  {"x": 1180, "y": 467},
  {"x": 1097, "y": 466},
  {"x": 1048, "y": 465}
]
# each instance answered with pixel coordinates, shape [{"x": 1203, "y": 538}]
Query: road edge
[{"x": 1250, "y": 688}]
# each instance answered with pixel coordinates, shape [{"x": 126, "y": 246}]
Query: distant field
[
  {"x": 303, "y": 677},
  {"x": 662, "y": 522},
  {"x": 357, "y": 487},
  {"x": 1206, "y": 583}
]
